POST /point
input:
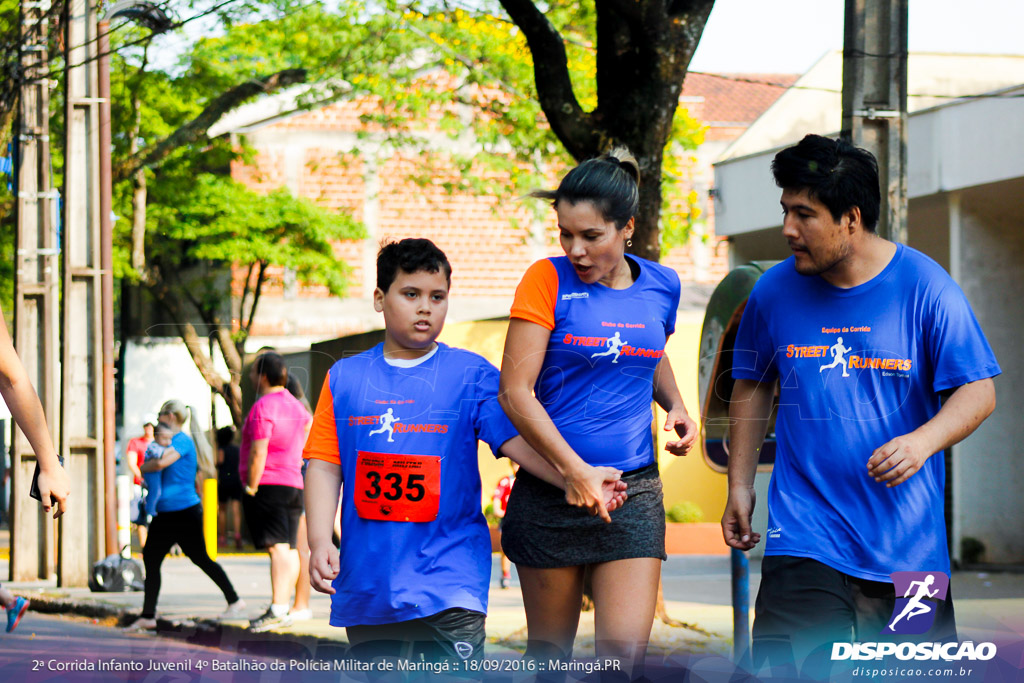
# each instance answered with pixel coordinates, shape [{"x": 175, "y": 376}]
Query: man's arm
[
  {"x": 323, "y": 484},
  {"x": 749, "y": 410},
  {"x": 899, "y": 459}
]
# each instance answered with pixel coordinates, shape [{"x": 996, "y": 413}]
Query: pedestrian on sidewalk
[
  {"x": 229, "y": 485},
  {"x": 499, "y": 502},
  {"x": 53, "y": 483},
  {"x": 179, "y": 515},
  {"x": 135, "y": 455},
  {"x": 301, "y": 610},
  {"x": 270, "y": 465}
]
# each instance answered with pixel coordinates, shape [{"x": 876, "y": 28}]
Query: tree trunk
[{"x": 643, "y": 50}]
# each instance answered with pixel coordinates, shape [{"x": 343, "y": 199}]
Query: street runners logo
[
  {"x": 615, "y": 346},
  {"x": 914, "y": 614},
  {"x": 842, "y": 357},
  {"x": 391, "y": 424}
]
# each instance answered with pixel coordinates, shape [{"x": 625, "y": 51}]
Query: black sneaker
[
  {"x": 268, "y": 620},
  {"x": 506, "y": 581}
]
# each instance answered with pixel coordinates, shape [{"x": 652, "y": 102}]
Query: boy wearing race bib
[{"x": 395, "y": 434}]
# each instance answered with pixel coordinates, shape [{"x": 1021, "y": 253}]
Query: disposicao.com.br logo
[{"x": 918, "y": 595}]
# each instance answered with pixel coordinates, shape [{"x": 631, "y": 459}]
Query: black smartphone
[{"x": 33, "y": 490}]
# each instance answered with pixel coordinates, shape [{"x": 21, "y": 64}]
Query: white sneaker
[
  {"x": 235, "y": 611},
  {"x": 301, "y": 614}
]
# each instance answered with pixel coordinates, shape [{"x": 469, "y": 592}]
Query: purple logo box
[{"x": 917, "y": 598}]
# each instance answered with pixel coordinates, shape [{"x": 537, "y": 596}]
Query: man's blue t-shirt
[
  {"x": 856, "y": 368},
  {"x": 178, "y": 481},
  {"x": 596, "y": 382},
  {"x": 407, "y": 443}
]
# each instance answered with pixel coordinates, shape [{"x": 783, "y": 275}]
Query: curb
[{"x": 227, "y": 636}]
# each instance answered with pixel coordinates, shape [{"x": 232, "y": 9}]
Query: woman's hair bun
[{"x": 626, "y": 161}]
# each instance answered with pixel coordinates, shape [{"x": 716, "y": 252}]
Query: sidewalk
[
  {"x": 190, "y": 601},
  {"x": 989, "y": 606}
]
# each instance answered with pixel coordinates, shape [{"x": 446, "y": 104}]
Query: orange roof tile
[{"x": 735, "y": 98}]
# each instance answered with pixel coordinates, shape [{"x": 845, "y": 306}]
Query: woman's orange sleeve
[{"x": 536, "y": 295}]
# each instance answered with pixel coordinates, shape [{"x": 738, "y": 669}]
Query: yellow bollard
[{"x": 210, "y": 516}]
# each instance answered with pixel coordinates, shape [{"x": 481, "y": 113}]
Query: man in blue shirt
[{"x": 863, "y": 338}]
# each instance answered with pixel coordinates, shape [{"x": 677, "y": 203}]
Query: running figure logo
[
  {"x": 914, "y": 613},
  {"x": 838, "y": 353},
  {"x": 387, "y": 424},
  {"x": 615, "y": 344}
]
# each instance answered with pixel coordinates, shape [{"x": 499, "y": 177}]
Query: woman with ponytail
[
  {"x": 179, "y": 514},
  {"x": 584, "y": 357}
]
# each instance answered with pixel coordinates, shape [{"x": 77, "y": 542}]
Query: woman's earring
[{"x": 629, "y": 243}]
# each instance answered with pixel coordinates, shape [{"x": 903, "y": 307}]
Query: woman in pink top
[{"x": 270, "y": 464}]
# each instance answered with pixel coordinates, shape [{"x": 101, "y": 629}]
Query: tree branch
[
  {"x": 577, "y": 129},
  {"x": 197, "y": 127}
]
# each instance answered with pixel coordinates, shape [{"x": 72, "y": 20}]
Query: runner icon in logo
[
  {"x": 387, "y": 424},
  {"x": 915, "y": 606},
  {"x": 615, "y": 344},
  {"x": 838, "y": 352}
]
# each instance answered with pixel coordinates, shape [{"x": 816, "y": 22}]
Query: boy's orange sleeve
[
  {"x": 536, "y": 295},
  {"x": 322, "y": 443}
]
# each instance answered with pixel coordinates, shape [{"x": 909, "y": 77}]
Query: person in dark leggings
[{"x": 179, "y": 517}]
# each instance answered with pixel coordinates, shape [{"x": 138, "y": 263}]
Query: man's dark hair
[
  {"x": 834, "y": 172},
  {"x": 611, "y": 182},
  {"x": 410, "y": 255},
  {"x": 271, "y": 365}
]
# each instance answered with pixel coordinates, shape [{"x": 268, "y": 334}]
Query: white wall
[
  {"x": 157, "y": 369},
  {"x": 988, "y": 467}
]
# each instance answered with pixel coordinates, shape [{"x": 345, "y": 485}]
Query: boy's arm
[
  {"x": 516, "y": 449},
  {"x": 323, "y": 484}
]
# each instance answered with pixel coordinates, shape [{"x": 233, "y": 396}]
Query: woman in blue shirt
[
  {"x": 584, "y": 357},
  {"x": 179, "y": 516}
]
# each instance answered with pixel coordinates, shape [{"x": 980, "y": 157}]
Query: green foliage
[
  {"x": 680, "y": 211},
  {"x": 685, "y": 512}
]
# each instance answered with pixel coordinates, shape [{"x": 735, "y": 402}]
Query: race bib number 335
[{"x": 397, "y": 488}]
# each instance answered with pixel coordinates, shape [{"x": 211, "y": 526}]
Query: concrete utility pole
[
  {"x": 83, "y": 538},
  {"x": 875, "y": 99},
  {"x": 36, "y": 294}
]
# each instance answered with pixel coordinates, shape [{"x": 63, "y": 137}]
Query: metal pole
[
  {"x": 107, "y": 289},
  {"x": 740, "y": 606},
  {"x": 875, "y": 99}
]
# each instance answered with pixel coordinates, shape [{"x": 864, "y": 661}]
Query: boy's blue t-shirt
[
  {"x": 597, "y": 379},
  {"x": 178, "y": 482},
  {"x": 406, "y": 439},
  {"x": 856, "y": 368},
  {"x": 153, "y": 479}
]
